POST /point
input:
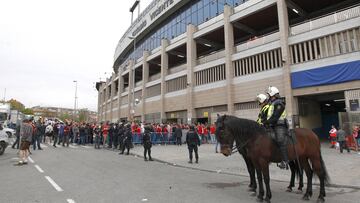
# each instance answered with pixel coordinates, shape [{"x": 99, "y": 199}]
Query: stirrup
[{"x": 283, "y": 165}]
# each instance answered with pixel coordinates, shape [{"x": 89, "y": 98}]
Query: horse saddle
[{"x": 289, "y": 136}]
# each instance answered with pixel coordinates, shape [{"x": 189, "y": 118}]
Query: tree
[
  {"x": 16, "y": 105},
  {"x": 64, "y": 116},
  {"x": 28, "y": 111}
]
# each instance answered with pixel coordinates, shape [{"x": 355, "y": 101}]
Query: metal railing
[
  {"x": 327, "y": 20},
  {"x": 258, "y": 41}
]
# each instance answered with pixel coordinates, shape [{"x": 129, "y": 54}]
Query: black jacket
[{"x": 192, "y": 138}]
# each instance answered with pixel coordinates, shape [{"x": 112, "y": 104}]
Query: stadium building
[{"x": 185, "y": 61}]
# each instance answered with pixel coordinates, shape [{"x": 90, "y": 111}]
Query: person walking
[
  {"x": 146, "y": 141},
  {"x": 26, "y": 132},
  {"x": 341, "y": 138},
  {"x": 193, "y": 141}
]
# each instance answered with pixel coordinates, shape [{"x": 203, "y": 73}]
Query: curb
[{"x": 240, "y": 175}]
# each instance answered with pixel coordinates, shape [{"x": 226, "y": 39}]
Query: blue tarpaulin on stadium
[{"x": 327, "y": 75}]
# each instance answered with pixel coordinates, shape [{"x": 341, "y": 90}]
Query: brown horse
[{"x": 262, "y": 150}]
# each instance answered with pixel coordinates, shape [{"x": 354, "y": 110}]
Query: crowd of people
[
  {"x": 122, "y": 136},
  {"x": 341, "y": 140}
]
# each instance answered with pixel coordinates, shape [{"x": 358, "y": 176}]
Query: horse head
[{"x": 223, "y": 136}]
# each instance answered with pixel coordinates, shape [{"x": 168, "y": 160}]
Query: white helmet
[
  {"x": 261, "y": 98},
  {"x": 272, "y": 91}
]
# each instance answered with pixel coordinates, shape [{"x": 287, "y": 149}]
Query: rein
[{"x": 236, "y": 148}]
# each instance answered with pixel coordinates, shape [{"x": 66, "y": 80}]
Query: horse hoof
[
  {"x": 253, "y": 194},
  {"x": 306, "y": 197},
  {"x": 267, "y": 200},
  {"x": 252, "y": 190},
  {"x": 299, "y": 191},
  {"x": 320, "y": 200},
  {"x": 289, "y": 189},
  {"x": 258, "y": 199}
]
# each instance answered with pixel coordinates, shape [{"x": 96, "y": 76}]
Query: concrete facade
[{"x": 227, "y": 80}]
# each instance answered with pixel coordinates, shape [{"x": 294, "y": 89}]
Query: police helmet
[
  {"x": 272, "y": 91},
  {"x": 261, "y": 98}
]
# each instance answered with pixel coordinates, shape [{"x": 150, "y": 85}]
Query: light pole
[{"x": 75, "y": 81}]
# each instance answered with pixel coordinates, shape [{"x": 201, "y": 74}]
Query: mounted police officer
[
  {"x": 276, "y": 120},
  {"x": 193, "y": 141},
  {"x": 147, "y": 143},
  {"x": 264, "y": 105}
]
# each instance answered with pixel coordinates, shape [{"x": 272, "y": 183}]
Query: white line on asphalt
[
  {"x": 43, "y": 146},
  {"x": 87, "y": 147},
  {"x": 52, "y": 182},
  {"x": 39, "y": 169},
  {"x": 73, "y": 147},
  {"x": 70, "y": 201},
  {"x": 30, "y": 159}
]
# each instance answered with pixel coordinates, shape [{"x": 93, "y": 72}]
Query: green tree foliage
[
  {"x": 64, "y": 116},
  {"x": 16, "y": 105},
  {"x": 28, "y": 111}
]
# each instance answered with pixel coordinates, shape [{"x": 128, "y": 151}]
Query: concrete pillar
[
  {"x": 105, "y": 99},
  {"x": 284, "y": 35},
  {"x": 145, "y": 74},
  {"x": 191, "y": 56},
  {"x": 131, "y": 111},
  {"x": 119, "y": 94},
  {"x": 99, "y": 104},
  {"x": 229, "y": 50},
  {"x": 164, "y": 71}
]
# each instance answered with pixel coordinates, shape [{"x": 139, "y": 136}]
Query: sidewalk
[{"x": 343, "y": 169}]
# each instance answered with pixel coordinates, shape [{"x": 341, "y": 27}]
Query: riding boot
[{"x": 285, "y": 160}]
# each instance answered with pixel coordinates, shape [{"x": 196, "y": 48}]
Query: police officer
[
  {"x": 264, "y": 105},
  {"x": 276, "y": 119},
  {"x": 147, "y": 143},
  {"x": 127, "y": 140},
  {"x": 193, "y": 141}
]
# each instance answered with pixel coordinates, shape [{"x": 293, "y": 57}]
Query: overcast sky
[{"x": 47, "y": 44}]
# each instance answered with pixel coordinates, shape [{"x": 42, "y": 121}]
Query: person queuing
[{"x": 193, "y": 141}]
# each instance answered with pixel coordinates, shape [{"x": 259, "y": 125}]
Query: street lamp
[{"x": 75, "y": 81}]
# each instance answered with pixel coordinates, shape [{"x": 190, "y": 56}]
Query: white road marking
[
  {"x": 144, "y": 200},
  {"x": 74, "y": 147},
  {"x": 39, "y": 169},
  {"x": 70, "y": 201},
  {"x": 43, "y": 146},
  {"x": 87, "y": 147},
  {"x": 52, "y": 182},
  {"x": 15, "y": 158},
  {"x": 30, "y": 159}
]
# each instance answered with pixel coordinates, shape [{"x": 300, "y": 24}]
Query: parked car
[{"x": 4, "y": 139}]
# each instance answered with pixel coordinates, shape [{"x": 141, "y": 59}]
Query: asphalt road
[{"x": 83, "y": 174}]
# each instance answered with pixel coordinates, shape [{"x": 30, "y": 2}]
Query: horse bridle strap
[{"x": 236, "y": 148}]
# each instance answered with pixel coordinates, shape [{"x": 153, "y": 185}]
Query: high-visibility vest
[
  {"x": 271, "y": 111},
  {"x": 263, "y": 109}
]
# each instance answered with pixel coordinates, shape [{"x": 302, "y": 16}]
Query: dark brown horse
[{"x": 261, "y": 150}]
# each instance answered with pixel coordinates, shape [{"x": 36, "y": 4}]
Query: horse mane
[{"x": 243, "y": 128}]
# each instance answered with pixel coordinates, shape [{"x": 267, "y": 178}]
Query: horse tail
[{"x": 324, "y": 171}]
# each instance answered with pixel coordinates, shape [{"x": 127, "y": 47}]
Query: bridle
[{"x": 235, "y": 148}]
